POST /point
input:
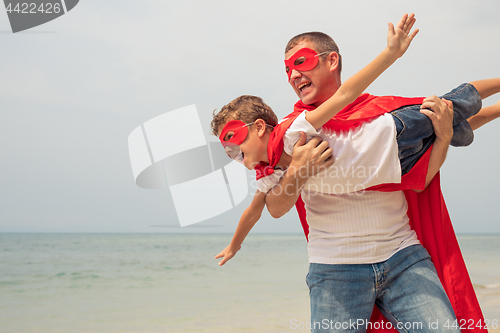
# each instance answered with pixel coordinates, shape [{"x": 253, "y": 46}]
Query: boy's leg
[
  {"x": 414, "y": 130},
  {"x": 488, "y": 87},
  {"x": 342, "y": 297},
  {"x": 485, "y": 115},
  {"x": 414, "y": 135},
  {"x": 412, "y": 296},
  {"x": 485, "y": 89},
  {"x": 466, "y": 103}
]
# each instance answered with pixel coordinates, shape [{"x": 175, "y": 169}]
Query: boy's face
[
  {"x": 254, "y": 146},
  {"x": 316, "y": 85}
]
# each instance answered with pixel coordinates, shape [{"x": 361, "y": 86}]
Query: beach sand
[{"x": 489, "y": 299}]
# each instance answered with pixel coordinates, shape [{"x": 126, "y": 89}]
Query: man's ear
[
  {"x": 333, "y": 61},
  {"x": 260, "y": 125}
]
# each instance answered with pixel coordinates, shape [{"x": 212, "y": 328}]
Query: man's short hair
[
  {"x": 321, "y": 41},
  {"x": 245, "y": 108}
]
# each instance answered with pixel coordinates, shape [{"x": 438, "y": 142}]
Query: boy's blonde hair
[{"x": 245, "y": 108}]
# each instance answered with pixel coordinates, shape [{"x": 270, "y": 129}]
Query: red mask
[
  {"x": 303, "y": 60},
  {"x": 232, "y": 145}
]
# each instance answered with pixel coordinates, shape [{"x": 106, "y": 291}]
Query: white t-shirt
[
  {"x": 348, "y": 225},
  {"x": 364, "y": 156}
]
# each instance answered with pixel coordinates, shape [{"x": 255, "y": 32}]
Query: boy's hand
[
  {"x": 227, "y": 254},
  {"x": 399, "y": 38}
]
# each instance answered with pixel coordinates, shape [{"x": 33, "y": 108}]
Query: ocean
[{"x": 172, "y": 283}]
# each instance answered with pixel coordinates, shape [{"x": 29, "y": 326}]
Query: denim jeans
[
  {"x": 414, "y": 130},
  {"x": 405, "y": 288}
]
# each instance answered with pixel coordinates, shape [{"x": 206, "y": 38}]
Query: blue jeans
[
  {"x": 414, "y": 130},
  {"x": 405, "y": 288}
]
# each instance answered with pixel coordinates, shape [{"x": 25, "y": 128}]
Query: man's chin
[
  {"x": 307, "y": 98},
  {"x": 307, "y": 101}
]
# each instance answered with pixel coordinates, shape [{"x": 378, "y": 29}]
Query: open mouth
[{"x": 304, "y": 85}]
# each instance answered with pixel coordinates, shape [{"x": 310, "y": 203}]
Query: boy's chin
[{"x": 250, "y": 166}]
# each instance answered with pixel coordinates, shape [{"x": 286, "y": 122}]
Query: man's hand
[
  {"x": 312, "y": 157},
  {"x": 308, "y": 159},
  {"x": 399, "y": 38},
  {"x": 441, "y": 116}
]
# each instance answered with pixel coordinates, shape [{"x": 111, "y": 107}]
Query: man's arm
[
  {"x": 442, "y": 120},
  {"x": 307, "y": 160}
]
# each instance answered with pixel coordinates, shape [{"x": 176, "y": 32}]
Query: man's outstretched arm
[{"x": 308, "y": 159}]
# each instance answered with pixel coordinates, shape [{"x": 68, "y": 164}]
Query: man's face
[{"x": 314, "y": 86}]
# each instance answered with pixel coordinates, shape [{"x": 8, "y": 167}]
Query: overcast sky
[{"x": 73, "y": 89}]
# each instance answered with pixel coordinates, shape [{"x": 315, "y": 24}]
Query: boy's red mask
[
  {"x": 309, "y": 61},
  {"x": 239, "y": 129},
  {"x": 232, "y": 145}
]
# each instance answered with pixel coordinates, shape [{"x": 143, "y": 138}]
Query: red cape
[{"x": 426, "y": 210}]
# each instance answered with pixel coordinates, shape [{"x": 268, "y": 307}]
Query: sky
[{"x": 73, "y": 89}]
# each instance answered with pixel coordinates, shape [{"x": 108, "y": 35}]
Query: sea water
[
  {"x": 482, "y": 258},
  {"x": 172, "y": 283}
]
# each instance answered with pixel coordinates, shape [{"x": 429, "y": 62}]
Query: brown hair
[
  {"x": 245, "y": 108},
  {"x": 322, "y": 43}
]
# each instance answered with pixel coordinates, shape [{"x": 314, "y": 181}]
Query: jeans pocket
[{"x": 400, "y": 124}]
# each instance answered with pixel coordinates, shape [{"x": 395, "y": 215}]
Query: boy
[{"x": 251, "y": 147}]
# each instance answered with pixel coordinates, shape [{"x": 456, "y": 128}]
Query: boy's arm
[
  {"x": 248, "y": 219},
  {"x": 398, "y": 41},
  {"x": 442, "y": 120}
]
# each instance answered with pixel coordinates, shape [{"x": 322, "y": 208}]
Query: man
[{"x": 341, "y": 295}]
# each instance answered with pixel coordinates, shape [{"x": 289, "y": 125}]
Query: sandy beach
[{"x": 489, "y": 299}]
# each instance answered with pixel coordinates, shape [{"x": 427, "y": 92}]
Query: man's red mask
[{"x": 303, "y": 60}]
